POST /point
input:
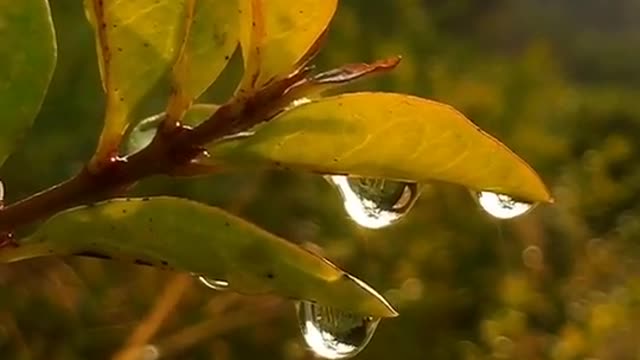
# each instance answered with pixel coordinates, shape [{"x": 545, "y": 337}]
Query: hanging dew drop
[
  {"x": 502, "y": 206},
  {"x": 375, "y": 203},
  {"x": 215, "y": 284},
  {"x": 334, "y": 334}
]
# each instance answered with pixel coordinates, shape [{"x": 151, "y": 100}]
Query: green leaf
[
  {"x": 386, "y": 135},
  {"x": 278, "y": 35},
  {"x": 211, "y": 32},
  {"x": 137, "y": 43},
  {"x": 27, "y": 60},
  {"x": 180, "y": 234}
]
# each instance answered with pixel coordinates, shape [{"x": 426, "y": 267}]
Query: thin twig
[
  {"x": 250, "y": 314},
  {"x": 165, "y": 154},
  {"x": 146, "y": 330},
  {"x": 170, "y": 152}
]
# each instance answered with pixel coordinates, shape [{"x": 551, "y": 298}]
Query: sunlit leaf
[
  {"x": 137, "y": 43},
  {"x": 27, "y": 60},
  {"x": 276, "y": 35},
  {"x": 180, "y": 234},
  {"x": 390, "y": 136},
  {"x": 210, "y": 35}
]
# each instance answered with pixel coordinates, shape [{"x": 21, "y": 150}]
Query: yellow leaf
[
  {"x": 276, "y": 35},
  {"x": 137, "y": 43},
  {"x": 210, "y": 35},
  {"x": 387, "y": 135}
]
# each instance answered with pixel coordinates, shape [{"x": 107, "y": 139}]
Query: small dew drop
[
  {"x": 215, "y": 284},
  {"x": 502, "y": 206},
  {"x": 298, "y": 102},
  {"x": 375, "y": 203},
  {"x": 332, "y": 333}
]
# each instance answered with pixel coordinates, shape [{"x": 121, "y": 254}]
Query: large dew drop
[
  {"x": 502, "y": 206},
  {"x": 215, "y": 284},
  {"x": 334, "y": 334},
  {"x": 375, "y": 203}
]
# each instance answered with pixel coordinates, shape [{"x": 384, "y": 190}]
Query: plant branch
[
  {"x": 250, "y": 314},
  {"x": 167, "y": 152},
  {"x": 173, "y": 151}
]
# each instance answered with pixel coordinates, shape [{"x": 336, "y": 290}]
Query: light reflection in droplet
[
  {"x": 375, "y": 203},
  {"x": 502, "y": 206},
  {"x": 300, "y": 101},
  {"x": 215, "y": 284},
  {"x": 334, "y": 334}
]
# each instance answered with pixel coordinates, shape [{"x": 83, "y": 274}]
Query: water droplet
[
  {"x": 375, "y": 203},
  {"x": 1, "y": 194},
  {"x": 215, "y": 284},
  {"x": 502, "y": 206},
  {"x": 298, "y": 102},
  {"x": 332, "y": 333}
]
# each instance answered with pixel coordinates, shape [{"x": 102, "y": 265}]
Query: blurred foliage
[{"x": 557, "y": 81}]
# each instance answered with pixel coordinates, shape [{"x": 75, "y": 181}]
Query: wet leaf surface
[{"x": 276, "y": 35}]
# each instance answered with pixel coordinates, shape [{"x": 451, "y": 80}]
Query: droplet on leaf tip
[
  {"x": 502, "y": 206},
  {"x": 332, "y": 333}
]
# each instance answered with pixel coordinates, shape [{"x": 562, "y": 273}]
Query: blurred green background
[{"x": 558, "y": 81}]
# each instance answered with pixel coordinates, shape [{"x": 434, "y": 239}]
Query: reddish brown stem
[
  {"x": 82, "y": 188},
  {"x": 166, "y": 153},
  {"x": 169, "y": 152}
]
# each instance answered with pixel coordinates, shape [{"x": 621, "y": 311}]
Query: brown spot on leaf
[
  {"x": 93, "y": 254},
  {"x": 142, "y": 262}
]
